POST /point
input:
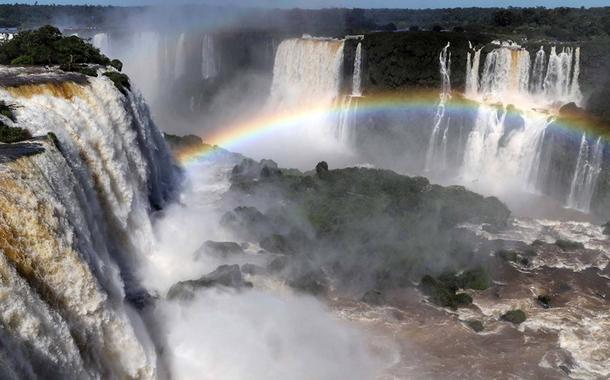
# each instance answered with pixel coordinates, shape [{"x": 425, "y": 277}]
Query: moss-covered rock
[
  {"x": 514, "y": 316},
  {"x": 443, "y": 294},
  {"x": 568, "y": 245},
  {"x": 476, "y": 326}
]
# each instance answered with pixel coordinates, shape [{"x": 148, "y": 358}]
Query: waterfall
[
  {"x": 538, "y": 72},
  {"x": 180, "y": 60},
  {"x": 503, "y": 151},
  {"x": 78, "y": 224},
  {"x": 102, "y": 42},
  {"x": 307, "y": 71},
  {"x": 509, "y": 77},
  {"x": 208, "y": 58},
  {"x": 586, "y": 173},
  {"x": 435, "y": 159},
  {"x": 498, "y": 157},
  {"x": 505, "y": 74},
  {"x": 357, "y": 76},
  {"x": 472, "y": 72}
]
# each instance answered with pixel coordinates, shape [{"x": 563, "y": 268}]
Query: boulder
[
  {"x": 221, "y": 249},
  {"x": 374, "y": 297},
  {"x": 229, "y": 276},
  {"x": 514, "y": 316}
]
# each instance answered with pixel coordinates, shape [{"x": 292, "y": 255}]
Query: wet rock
[
  {"x": 229, "y": 276},
  {"x": 568, "y": 245},
  {"x": 514, "y": 316},
  {"x": 476, "y": 326},
  {"x": 276, "y": 244},
  {"x": 222, "y": 249},
  {"x": 606, "y": 229},
  {"x": 278, "y": 264},
  {"x": 247, "y": 222},
  {"x": 374, "y": 297},
  {"x": 140, "y": 298},
  {"x": 544, "y": 300},
  {"x": 253, "y": 269},
  {"x": 313, "y": 282},
  {"x": 322, "y": 169}
]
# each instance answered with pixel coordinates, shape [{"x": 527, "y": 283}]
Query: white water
[
  {"x": 586, "y": 173},
  {"x": 208, "y": 58},
  {"x": 180, "y": 59},
  {"x": 306, "y": 86},
  {"x": 357, "y": 76},
  {"x": 436, "y": 155},
  {"x": 84, "y": 213},
  {"x": 509, "y": 77},
  {"x": 503, "y": 151},
  {"x": 307, "y": 71}
]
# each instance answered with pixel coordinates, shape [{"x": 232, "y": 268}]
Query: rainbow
[{"x": 232, "y": 135}]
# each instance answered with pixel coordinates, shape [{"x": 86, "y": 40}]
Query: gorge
[{"x": 406, "y": 205}]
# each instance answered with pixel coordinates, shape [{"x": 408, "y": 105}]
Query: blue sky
[{"x": 348, "y": 3}]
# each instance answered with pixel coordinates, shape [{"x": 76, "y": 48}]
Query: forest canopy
[{"x": 47, "y": 46}]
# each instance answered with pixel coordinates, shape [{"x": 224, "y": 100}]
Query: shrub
[
  {"x": 13, "y": 134},
  {"x": 22, "y": 60},
  {"x": 117, "y": 64},
  {"x": 47, "y": 46},
  {"x": 514, "y": 316},
  {"x": 121, "y": 81}
]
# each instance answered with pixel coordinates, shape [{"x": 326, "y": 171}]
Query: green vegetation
[
  {"x": 514, "y": 316},
  {"x": 399, "y": 226},
  {"x": 47, "y": 46},
  {"x": 11, "y": 134},
  {"x": 443, "y": 295},
  {"x": 121, "y": 81}
]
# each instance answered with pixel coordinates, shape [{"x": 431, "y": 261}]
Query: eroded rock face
[{"x": 229, "y": 276}]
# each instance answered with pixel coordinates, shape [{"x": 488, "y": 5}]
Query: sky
[{"x": 346, "y": 3}]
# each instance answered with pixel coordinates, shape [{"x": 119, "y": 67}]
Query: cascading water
[
  {"x": 357, "y": 76},
  {"x": 180, "y": 60},
  {"x": 83, "y": 207},
  {"x": 503, "y": 150},
  {"x": 208, "y": 58},
  {"x": 586, "y": 173},
  {"x": 472, "y": 72},
  {"x": 307, "y": 71},
  {"x": 307, "y": 76},
  {"x": 537, "y": 85},
  {"x": 436, "y": 155}
]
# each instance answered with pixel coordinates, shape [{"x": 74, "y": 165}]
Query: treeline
[
  {"x": 533, "y": 23},
  {"x": 78, "y": 16}
]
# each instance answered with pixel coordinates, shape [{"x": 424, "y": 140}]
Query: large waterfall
[
  {"x": 357, "y": 75},
  {"x": 586, "y": 173},
  {"x": 307, "y": 71},
  {"x": 74, "y": 222},
  {"x": 517, "y": 100}
]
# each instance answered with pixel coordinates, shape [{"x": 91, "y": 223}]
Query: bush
[
  {"x": 121, "y": 81},
  {"x": 514, "y": 316},
  {"x": 47, "y": 46},
  {"x": 13, "y": 134},
  {"x": 117, "y": 64},
  {"x": 23, "y": 60}
]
